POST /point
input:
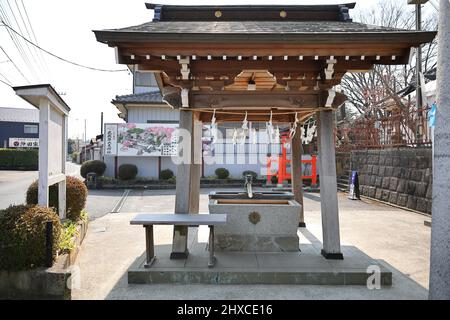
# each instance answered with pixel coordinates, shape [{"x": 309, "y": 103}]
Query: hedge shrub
[
  {"x": 23, "y": 236},
  {"x": 95, "y": 166},
  {"x": 127, "y": 172},
  {"x": 15, "y": 159},
  {"x": 274, "y": 180},
  {"x": 166, "y": 174},
  {"x": 222, "y": 173},
  {"x": 76, "y": 195}
]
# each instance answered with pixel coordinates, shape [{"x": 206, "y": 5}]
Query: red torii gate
[{"x": 283, "y": 162}]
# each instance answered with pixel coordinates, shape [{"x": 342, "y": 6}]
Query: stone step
[{"x": 243, "y": 268}]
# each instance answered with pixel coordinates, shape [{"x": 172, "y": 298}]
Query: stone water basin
[
  {"x": 256, "y": 195},
  {"x": 257, "y": 225}
]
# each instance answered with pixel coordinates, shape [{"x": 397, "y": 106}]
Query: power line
[
  {"x": 31, "y": 66},
  {"x": 14, "y": 38},
  {"x": 58, "y": 57},
  {"x": 4, "y": 77},
  {"x": 37, "y": 57},
  {"x": 42, "y": 58},
  {"x": 6, "y": 83},
  {"x": 12, "y": 61}
]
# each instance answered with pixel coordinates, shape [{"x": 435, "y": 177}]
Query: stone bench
[{"x": 189, "y": 220}]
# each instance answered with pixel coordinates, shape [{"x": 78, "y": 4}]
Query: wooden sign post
[{"x": 53, "y": 116}]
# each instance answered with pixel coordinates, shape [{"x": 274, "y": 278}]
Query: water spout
[{"x": 248, "y": 186}]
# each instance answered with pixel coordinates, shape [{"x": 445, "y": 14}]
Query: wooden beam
[
  {"x": 262, "y": 99},
  {"x": 233, "y": 49},
  {"x": 205, "y": 67}
]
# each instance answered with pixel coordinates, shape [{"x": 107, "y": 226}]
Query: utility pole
[
  {"x": 419, "y": 102},
  {"x": 419, "y": 85},
  {"x": 440, "y": 229},
  {"x": 101, "y": 123},
  {"x": 85, "y": 140}
]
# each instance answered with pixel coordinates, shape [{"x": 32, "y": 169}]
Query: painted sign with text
[
  {"x": 141, "y": 140},
  {"x": 24, "y": 142}
]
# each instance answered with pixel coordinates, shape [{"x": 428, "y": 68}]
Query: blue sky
[{"x": 65, "y": 28}]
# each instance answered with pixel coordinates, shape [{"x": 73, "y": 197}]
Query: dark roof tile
[{"x": 154, "y": 97}]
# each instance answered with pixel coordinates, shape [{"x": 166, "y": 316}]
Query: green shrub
[
  {"x": 250, "y": 173},
  {"x": 75, "y": 156},
  {"x": 127, "y": 172},
  {"x": 76, "y": 195},
  {"x": 166, "y": 174},
  {"x": 274, "y": 180},
  {"x": 222, "y": 173},
  {"x": 95, "y": 166},
  {"x": 68, "y": 232},
  {"x": 23, "y": 159},
  {"x": 172, "y": 180},
  {"x": 23, "y": 236}
]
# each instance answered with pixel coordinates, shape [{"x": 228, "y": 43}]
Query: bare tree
[
  {"x": 379, "y": 94},
  {"x": 369, "y": 93}
]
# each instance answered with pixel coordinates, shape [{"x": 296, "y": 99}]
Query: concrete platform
[{"x": 307, "y": 267}]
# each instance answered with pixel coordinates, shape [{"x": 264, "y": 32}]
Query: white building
[{"x": 145, "y": 108}]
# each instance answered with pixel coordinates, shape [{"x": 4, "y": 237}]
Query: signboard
[
  {"x": 53, "y": 124},
  {"x": 24, "y": 142},
  {"x": 141, "y": 139},
  {"x": 111, "y": 139}
]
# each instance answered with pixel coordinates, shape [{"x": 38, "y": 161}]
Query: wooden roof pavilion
[
  {"x": 255, "y": 61},
  {"x": 257, "y": 58}
]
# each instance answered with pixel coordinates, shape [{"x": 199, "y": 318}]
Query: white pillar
[
  {"x": 44, "y": 118},
  {"x": 440, "y": 230},
  {"x": 62, "y": 185},
  {"x": 188, "y": 182},
  {"x": 296, "y": 165},
  {"x": 328, "y": 186}
]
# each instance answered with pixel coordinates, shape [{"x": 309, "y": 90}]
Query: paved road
[
  {"x": 102, "y": 202},
  {"x": 14, "y": 184}
]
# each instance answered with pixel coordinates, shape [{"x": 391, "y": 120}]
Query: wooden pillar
[
  {"x": 328, "y": 186},
  {"x": 188, "y": 180},
  {"x": 296, "y": 165}
]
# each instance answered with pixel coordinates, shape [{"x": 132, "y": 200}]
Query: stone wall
[
  {"x": 399, "y": 176},
  {"x": 342, "y": 163}
]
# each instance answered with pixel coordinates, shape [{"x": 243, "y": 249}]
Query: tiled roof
[
  {"x": 270, "y": 23},
  {"x": 19, "y": 115},
  {"x": 154, "y": 97},
  {"x": 255, "y": 27}
]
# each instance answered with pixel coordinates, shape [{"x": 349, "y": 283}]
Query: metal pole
[
  {"x": 101, "y": 123},
  {"x": 85, "y": 140},
  {"x": 49, "y": 244},
  {"x": 419, "y": 103},
  {"x": 440, "y": 228}
]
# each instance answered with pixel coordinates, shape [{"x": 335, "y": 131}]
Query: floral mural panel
[{"x": 147, "y": 140}]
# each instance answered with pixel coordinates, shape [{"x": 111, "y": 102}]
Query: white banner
[
  {"x": 24, "y": 142},
  {"x": 111, "y": 139}
]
